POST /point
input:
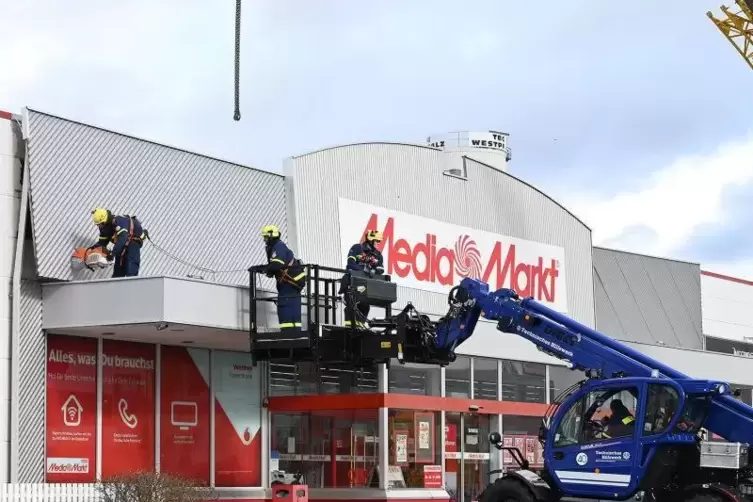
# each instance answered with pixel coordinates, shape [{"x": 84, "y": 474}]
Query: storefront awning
[{"x": 150, "y": 309}]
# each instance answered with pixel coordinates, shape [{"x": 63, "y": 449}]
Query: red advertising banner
[
  {"x": 127, "y": 407},
  {"x": 237, "y": 420},
  {"x": 184, "y": 413},
  {"x": 507, "y": 442},
  {"x": 71, "y": 409},
  {"x": 529, "y": 447},
  {"x": 432, "y": 476},
  {"x": 530, "y": 453},
  {"x": 450, "y": 437}
]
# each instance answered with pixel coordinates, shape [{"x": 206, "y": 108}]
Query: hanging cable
[
  {"x": 237, "y": 114},
  {"x": 192, "y": 265}
]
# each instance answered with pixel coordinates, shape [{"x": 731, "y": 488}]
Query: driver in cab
[{"x": 619, "y": 423}]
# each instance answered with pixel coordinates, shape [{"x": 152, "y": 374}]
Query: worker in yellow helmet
[
  {"x": 366, "y": 257},
  {"x": 290, "y": 278},
  {"x": 127, "y": 234}
]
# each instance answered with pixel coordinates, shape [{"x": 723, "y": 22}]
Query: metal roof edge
[
  {"x": 532, "y": 187},
  {"x": 172, "y": 147},
  {"x": 364, "y": 143},
  {"x": 655, "y": 257}
]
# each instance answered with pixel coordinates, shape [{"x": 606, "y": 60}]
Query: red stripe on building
[
  {"x": 727, "y": 278},
  {"x": 6, "y": 115}
]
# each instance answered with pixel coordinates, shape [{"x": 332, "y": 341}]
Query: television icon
[{"x": 184, "y": 414}]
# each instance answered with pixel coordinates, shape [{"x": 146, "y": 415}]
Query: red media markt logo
[{"x": 426, "y": 261}]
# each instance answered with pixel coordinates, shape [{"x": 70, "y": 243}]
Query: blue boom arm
[{"x": 584, "y": 348}]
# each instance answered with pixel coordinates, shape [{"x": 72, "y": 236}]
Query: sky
[{"x": 634, "y": 115}]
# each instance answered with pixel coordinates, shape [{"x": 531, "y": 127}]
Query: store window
[
  {"x": 523, "y": 382},
  {"x": 457, "y": 376},
  {"x": 522, "y": 433},
  {"x": 325, "y": 449},
  {"x": 237, "y": 419},
  {"x": 128, "y": 407},
  {"x": 414, "y": 379},
  {"x": 293, "y": 379},
  {"x": 414, "y": 438},
  {"x": 309, "y": 379},
  {"x": 562, "y": 379},
  {"x": 485, "y": 378},
  {"x": 71, "y": 395},
  {"x": 348, "y": 381},
  {"x": 184, "y": 411}
]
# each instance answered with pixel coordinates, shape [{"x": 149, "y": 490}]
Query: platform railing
[{"x": 321, "y": 298}]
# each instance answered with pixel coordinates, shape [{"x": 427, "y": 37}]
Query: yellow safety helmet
[
  {"x": 373, "y": 235},
  {"x": 100, "y": 216},
  {"x": 270, "y": 232}
]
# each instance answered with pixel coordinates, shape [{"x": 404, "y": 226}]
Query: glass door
[
  {"x": 476, "y": 455},
  {"x": 467, "y": 455},
  {"x": 453, "y": 474}
]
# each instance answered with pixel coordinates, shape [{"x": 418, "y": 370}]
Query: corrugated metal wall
[
  {"x": 648, "y": 300},
  {"x": 31, "y": 365},
  {"x": 204, "y": 211},
  {"x": 409, "y": 178}
]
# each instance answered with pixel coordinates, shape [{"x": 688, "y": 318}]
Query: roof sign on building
[{"x": 434, "y": 256}]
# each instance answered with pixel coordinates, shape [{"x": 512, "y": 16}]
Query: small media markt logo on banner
[
  {"x": 62, "y": 465},
  {"x": 435, "y": 256}
]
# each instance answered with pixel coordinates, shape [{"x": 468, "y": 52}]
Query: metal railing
[{"x": 49, "y": 492}]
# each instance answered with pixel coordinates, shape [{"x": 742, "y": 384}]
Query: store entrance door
[{"x": 467, "y": 455}]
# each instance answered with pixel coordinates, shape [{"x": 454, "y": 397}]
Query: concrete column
[{"x": 11, "y": 152}]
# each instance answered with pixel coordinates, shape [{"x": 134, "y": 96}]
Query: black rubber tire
[{"x": 507, "y": 490}]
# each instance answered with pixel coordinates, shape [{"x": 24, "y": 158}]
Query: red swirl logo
[{"x": 467, "y": 258}]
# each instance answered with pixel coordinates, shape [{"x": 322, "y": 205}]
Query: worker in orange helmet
[{"x": 362, "y": 257}]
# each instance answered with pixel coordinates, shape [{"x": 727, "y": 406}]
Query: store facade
[{"x": 154, "y": 372}]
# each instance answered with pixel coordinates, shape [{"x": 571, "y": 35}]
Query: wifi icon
[{"x": 72, "y": 411}]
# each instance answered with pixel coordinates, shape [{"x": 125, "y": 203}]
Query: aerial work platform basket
[
  {"x": 329, "y": 333},
  {"x": 324, "y": 336}
]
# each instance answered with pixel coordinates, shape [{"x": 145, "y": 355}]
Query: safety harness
[
  {"x": 131, "y": 238},
  {"x": 298, "y": 277}
]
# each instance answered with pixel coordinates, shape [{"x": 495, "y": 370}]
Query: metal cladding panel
[
  {"x": 727, "y": 303},
  {"x": 701, "y": 364},
  {"x": 192, "y": 205},
  {"x": 32, "y": 370},
  {"x": 410, "y": 179},
  {"x": 648, "y": 300}
]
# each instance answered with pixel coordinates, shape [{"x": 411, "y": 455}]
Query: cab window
[
  {"x": 600, "y": 415},
  {"x": 661, "y": 405}
]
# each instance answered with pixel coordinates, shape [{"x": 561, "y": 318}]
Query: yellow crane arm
[{"x": 737, "y": 27}]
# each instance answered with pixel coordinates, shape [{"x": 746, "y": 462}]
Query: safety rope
[
  {"x": 193, "y": 265},
  {"x": 237, "y": 114}
]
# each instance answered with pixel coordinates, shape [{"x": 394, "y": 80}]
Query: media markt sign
[{"x": 434, "y": 256}]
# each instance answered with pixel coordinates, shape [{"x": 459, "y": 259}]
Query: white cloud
[
  {"x": 671, "y": 204},
  {"x": 112, "y": 59}
]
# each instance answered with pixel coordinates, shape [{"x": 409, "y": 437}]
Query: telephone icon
[{"x": 128, "y": 418}]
